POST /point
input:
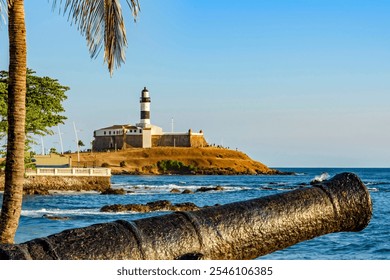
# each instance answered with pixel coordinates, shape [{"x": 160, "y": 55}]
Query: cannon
[{"x": 240, "y": 230}]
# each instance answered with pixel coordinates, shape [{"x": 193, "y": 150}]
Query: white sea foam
[
  {"x": 319, "y": 178},
  {"x": 156, "y": 189},
  {"x": 72, "y": 192},
  {"x": 61, "y": 212}
]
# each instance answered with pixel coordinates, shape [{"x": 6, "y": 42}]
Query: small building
[
  {"x": 52, "y": 161},
  {"x": 144, "y": 134}
]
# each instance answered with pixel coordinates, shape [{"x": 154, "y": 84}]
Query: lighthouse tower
[{"x": 145, "y": 108}]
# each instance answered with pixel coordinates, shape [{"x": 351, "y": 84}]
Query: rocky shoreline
[
  {"x": 159, "y": 205},
  {"x": 44, "y": 185},
  {"x": 153, "y": 161}
]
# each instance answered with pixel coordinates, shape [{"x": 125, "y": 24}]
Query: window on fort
[
  {"x": 109, "y": 132},
  {"x": 104, "y": 133}
]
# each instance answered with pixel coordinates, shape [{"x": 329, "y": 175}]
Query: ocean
[{"x": 82, "y": 209}]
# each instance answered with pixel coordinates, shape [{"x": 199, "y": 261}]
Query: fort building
[{"x": 144, "y": 134}]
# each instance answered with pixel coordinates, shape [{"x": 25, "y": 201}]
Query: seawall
[{"x": 43, "y": 184}]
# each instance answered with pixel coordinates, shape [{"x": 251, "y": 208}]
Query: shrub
[
  {"x": 122, "y": 163},
  {"x": 105, "y": 164},
  {"x": 174, "y": 166},
  {"x": 192, "y": 168},
  {"x": 170, "y": 165}
]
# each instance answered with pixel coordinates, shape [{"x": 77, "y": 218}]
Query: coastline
[
  {"x": 174, "y": 161},
  {"x": 151, "y": 161}
]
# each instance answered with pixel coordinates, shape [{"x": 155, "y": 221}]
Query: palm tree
[
  {"x": 14, "y": 176},
  {"x": 101, "y": 22}
]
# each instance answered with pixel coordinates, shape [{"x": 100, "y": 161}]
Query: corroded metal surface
[{"x": 242, "y": 230}]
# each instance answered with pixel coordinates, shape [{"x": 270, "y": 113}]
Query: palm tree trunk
[{"x": 14, "y": 177}]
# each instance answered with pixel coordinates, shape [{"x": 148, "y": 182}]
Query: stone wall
[
  {"x": 198, "y": 141},
  {"x": 104, "y": 143},
  {"x": 44, "y": 184},
  {"x": 171, "y": 140}
]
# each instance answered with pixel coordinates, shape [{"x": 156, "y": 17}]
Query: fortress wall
[
  {"x": 180, "y": 140},
  {"x": 170, "y": 140},
  {"x": 133, "y": 141},
  {"x": 104, "y": 143},
  {"x": 198, "y": 141},
  {"x": 156, "y": 140}
]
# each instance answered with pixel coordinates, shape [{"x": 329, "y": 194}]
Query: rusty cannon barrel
[{"x": 241, "y": 230}]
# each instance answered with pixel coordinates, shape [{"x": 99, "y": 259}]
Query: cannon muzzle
[{"x": 241, "y": 230}]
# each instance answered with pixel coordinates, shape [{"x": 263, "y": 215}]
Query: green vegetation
[
  {"x": 174, "y": 166},
  {"x": 44, "y": 108},
  {"x": 103, "y": 27},
  {"x": 44, "y": 99}
]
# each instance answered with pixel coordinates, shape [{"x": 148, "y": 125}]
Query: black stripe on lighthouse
[{"x": 145, "y": 115}]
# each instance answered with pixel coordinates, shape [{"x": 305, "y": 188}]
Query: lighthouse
[
  {"x": 145, "y": 108},
  {"x": 144, "y": 134}
]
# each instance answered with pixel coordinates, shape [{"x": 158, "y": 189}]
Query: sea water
[{"x": 83, "y": 209}]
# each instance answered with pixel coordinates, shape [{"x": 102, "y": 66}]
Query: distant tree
[
  {"x": 44, "y": 99},
  {"x": 80, "y": 143}
]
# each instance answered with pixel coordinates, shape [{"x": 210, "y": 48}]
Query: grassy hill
[{"x": 169, "y": 160}]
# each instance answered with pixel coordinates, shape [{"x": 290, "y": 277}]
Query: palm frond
[
  {"x": 134, "y": 7},
  {"x": 102, "y": 24},
  {"x": 3, "y": 9}
]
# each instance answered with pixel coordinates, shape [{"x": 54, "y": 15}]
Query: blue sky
[{"x": 290, "y": 83}]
